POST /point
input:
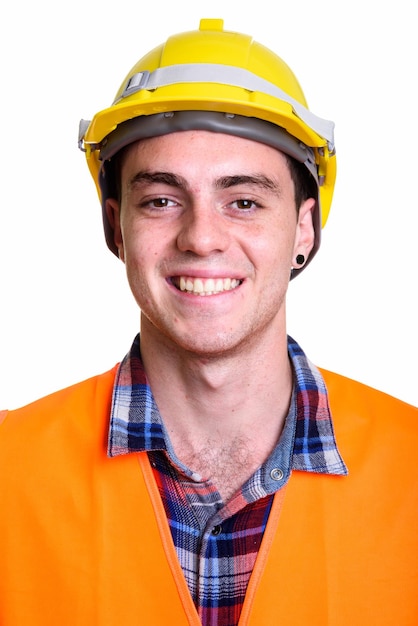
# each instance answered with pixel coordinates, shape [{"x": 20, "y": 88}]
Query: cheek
[
  {"x": 134, "y": 241},
  {"x": 144, "y": 253},
  {"x": 272, "y": 247},
  {"x": 145, "y": 237}
]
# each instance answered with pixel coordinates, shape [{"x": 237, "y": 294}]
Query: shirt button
[
  {"x": 216, "y": 530},
  {"x": 276, "y": 474}
]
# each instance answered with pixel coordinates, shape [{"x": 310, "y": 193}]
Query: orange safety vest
[{"x": 84, "y": 539}]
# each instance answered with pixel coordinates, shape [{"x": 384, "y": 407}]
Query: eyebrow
[
  {"x": 166, "y": 178},
  {"x": 224, "y": 182},
  {"x": 256, "y": 180}
]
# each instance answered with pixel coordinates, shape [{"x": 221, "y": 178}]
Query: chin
[{"x": 208, "y": 347}]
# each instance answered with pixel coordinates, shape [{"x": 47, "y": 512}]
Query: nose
[{"x": 203, "y": 231}]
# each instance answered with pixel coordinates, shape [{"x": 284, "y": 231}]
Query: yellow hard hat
[{"x": 217, "y": 80}]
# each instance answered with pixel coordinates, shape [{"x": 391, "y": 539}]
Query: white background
[{"x": 66, "y": 311}]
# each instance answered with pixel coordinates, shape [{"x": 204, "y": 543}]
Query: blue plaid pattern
[{"x": 217, "y": 543}]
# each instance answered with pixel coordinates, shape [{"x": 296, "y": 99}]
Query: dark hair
[
  {"x": 303, "y": 181},
  {"x": 110, "y": 176}
]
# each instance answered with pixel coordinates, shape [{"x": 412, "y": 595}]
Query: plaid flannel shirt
[{"x": 217, "y": 543}]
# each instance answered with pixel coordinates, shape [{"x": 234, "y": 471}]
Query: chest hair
[{"x": 228, "y": 464}]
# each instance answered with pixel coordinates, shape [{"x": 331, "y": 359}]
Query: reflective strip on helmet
[{"x": 227, "y": 75}]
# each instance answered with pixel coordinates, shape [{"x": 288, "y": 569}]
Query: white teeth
[
  {"x": 208, "y": 286},
  {"x": 198, "y": 286}
]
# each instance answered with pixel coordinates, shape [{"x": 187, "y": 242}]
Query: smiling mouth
[{"x": 205, "y": 286}]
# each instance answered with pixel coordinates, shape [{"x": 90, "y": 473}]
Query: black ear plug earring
[{"x": 300, "y": 259}]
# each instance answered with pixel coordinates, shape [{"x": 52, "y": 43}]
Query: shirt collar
[{"x": 136, "y": 424}]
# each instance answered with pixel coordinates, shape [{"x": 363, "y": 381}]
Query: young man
[{"x": 200, "y": 481}]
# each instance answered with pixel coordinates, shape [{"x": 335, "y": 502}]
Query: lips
[{"x": 205, "y": 286}]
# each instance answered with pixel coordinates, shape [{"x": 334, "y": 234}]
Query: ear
[
  {"x": 112, "y": 207},
  {"x": 305, "y": 231}
]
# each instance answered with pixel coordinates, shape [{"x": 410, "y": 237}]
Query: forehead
[{"x": 197, "y": 150}]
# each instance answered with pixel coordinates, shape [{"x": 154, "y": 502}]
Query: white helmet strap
[{"x": 225, "y": 75}]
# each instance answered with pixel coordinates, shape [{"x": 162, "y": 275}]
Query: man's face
[{"x": 208, "y": 229}]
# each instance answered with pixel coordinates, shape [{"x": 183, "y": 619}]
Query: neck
[
  {"x": 224, "y": 414},
  {"x": 234, "y": 393}
]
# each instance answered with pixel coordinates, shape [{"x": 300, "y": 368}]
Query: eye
[
  {"x": 244, "y": 204},
  {"x": 160, "y": 203}
]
